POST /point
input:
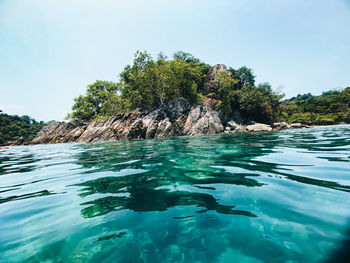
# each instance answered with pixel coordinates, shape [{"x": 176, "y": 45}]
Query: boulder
[
  {"x": 175, "y": 118},
  {"x": 259, "y": 127},
  {"x": 296, "y": 125},
  {"x": 202, "y": 120},
  {"x": 235, "y": 127},
  {"x": 281, "y": 125}
]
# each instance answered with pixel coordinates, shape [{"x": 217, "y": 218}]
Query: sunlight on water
[{"x": 257, "y": 197}]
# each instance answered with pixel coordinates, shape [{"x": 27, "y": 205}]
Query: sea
[{"x": 281, "y": 196}]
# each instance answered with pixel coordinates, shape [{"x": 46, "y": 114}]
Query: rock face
[
  {"x": 175, "y": 118},
  {"x": 211, "y": 84}
]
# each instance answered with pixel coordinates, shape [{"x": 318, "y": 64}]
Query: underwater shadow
[{"x": 342, "y": 253}]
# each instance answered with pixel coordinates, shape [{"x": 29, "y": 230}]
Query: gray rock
[
  {"x": 259, "y": 127},
  {"x": 19, "y": 141},
  {"x": 55, "y": 132},
  {"x": 202, "y": 120},
  {"x": 175, "y": 108},
  {"x": 211, "y": 83},
  {"x": 174, "y": 118},
  {"x": 281, "y": 125},
  {"x": 235, "y": 127},
  {"x": 232, "y": 124},
  {"x": 296, "y": 125}
]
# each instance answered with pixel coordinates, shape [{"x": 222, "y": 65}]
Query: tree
[
  {"x": 147, "y": 83},
  {"x": 237, "y": 91},
  {"x": 244, "y": 76},
  {"x": 259, "y": 103},
  {"x": 12, "y": 127},
  {"x": 96, "y": 102},
  {"x": 227, "y": 92},
  {"x": 329, "y": 108}
]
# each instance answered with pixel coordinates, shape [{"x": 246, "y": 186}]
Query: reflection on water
[{"x": 258, "y": 197}]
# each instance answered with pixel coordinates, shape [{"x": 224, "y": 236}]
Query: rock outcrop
[
  {"x": 211, "y": 83},
  {"x": 175, "y": 118}
]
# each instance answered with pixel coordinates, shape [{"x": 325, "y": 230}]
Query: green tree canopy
[
  {"x": 237, "y": 92},
  {"x": 148, "y": 83},
  {"x": 12, "y": 127},
  {"x": 100, "y": 99},
  {"x": 331, "y": 107}
]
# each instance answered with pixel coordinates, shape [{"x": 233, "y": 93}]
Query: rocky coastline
[{"x": 175, "y": 118}]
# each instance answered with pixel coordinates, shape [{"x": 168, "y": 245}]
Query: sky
[{"x": 51, "y": 50}]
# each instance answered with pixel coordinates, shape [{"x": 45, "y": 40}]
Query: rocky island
[
  {"x": 174, "y": 118},
  {"x": 184, "y": 96}
]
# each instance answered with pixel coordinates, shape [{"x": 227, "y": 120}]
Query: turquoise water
[{"x": 257, "y": 197}]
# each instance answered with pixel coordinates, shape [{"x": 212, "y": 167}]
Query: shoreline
[{"x": 30, "y": 143}]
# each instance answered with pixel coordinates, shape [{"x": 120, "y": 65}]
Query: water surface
[{"x": 257, "y": 197}]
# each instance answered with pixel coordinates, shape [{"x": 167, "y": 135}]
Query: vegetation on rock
[{"x": 149, "y": 83}]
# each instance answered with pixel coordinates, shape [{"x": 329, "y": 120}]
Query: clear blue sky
[{"x": 50, "y": 50}]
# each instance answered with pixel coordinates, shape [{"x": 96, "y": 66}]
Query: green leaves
[
  {"x": 12, "y": 127},
  {"x": 331, "y": 107},
  {"x": 238, "y": 92},
  {"x": 148, "y": 83},
  {"x": 100, "y": 100},
  {"x": 145, "y": 84}
]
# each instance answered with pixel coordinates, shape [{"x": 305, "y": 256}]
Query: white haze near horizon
[{"x": 50, "y": 50}]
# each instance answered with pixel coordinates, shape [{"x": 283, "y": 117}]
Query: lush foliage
[
  {"x": 237, "y": 92},
  {"x": 101, "y": 99},
  {"x": 331, "y": 107},
  {"x": 148, "y": 83},
  {"x": 12, "y": 127}
]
